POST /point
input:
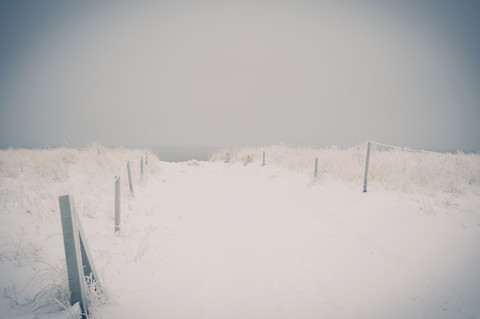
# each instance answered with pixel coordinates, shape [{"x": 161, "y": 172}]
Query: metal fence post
[
  {"x": 73, "y": 256},
  {"x": 130, "y": 183},
  {"x": 366, "y": 168},
  {"x": 117, "y": 203},
  {"x": 87, "y": 260}
]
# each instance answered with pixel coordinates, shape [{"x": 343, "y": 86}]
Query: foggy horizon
[{"x": 211, "y": 75}]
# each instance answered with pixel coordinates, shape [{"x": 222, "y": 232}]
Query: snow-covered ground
[{"x": 243, "y": 240}]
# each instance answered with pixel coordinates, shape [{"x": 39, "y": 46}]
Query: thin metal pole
[
  {"x": 264, "y": 158},
  {"x": 366, "y": 168},
  {"x": 315, "y": 174},
  {"x": 117, "y": 203},
  {"x": 130, "y": 184}
]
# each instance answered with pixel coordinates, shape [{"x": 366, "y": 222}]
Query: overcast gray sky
[{"x": 219, "y": 73}]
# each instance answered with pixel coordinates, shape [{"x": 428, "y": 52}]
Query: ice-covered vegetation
[
  {"x": 393, "y": 168},
  {"x": 216, "y": 240},
  {"x": 31, "y": 180}
]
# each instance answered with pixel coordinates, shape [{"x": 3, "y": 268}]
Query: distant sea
[{"x": 182, "y": 154}]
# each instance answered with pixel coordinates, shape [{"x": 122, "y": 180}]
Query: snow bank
[{"x": 392, "y": 168}]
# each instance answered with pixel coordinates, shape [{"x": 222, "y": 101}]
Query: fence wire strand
[
  {"x": 34, "y": 195},
  {"x": 122, "y": 172},
  {"x": 399, "y": 148}
]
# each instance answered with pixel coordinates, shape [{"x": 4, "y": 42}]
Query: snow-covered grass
[
  {"x": 392, "y": 168},
  {"x": 242, "y": 240},
  {"x": 31, "y": 246}
]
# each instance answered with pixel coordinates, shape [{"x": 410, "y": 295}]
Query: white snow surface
[{"x": 243, "y": 240}]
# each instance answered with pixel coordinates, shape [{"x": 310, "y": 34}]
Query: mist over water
[{"x": 181, "y": 154}]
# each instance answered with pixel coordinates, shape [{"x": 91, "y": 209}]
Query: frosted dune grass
[
  {"x": 31, "y": 180},
  {"x": 37, "y": 177},
  {"x": 397, "y": 169}
]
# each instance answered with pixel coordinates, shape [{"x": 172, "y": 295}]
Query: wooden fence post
[
  {"x": 117, "y": 203},
  {"x": 130, "y": 183},
  {"x": 366, "y": 168}
]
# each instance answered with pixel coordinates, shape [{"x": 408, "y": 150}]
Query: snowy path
[
  {"x": 241, "y": 242},
  {"x": 215, "y": 240}
]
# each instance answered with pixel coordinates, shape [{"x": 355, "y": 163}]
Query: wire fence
[{"x": 390, "y": 167}]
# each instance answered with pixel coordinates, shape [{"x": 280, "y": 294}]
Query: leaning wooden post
[
  {"x": 117, "y": 203},
  {"x": 366, "y": 168},
  {"x": 263, "y": 159},
  {"x": 73, "y": 256},
  {"x": 315, "y": 174},
  {"x": 130, "y": 183}
]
